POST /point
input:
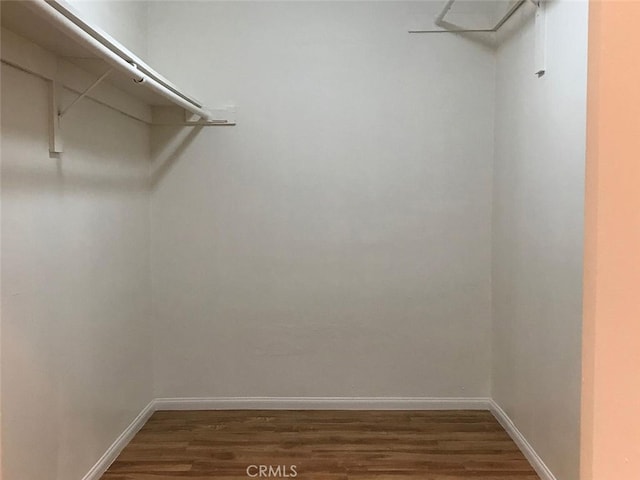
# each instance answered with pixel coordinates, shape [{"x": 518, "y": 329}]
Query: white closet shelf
[
  {"x": 447, "y": 27},
  {"x": 58, "y": 28}
]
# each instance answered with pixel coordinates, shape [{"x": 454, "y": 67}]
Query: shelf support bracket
[
  {"x": 86, "y": 92},
  {"x": 56, "y": 112},
  {"x": 222, "y": 117},
  {"x": 55, "y": 137}
]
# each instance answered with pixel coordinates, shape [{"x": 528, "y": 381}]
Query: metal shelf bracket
[
  {"x": 56, "y": 112},
  {"x": 85, "y": 92},
  {"x": 55, "y": 137}
]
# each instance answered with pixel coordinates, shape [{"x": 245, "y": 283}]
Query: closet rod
[{"x": 73, "y": 31}]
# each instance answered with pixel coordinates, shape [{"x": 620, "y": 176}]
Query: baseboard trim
[
  {"x": 118, "y": 445},
  {"x": 323, "y": 403},
  {"x": 320, "y": 403},
  {"x": 516, "y": 435}
]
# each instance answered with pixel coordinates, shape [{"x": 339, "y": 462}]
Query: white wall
[
  {"x": 75, "y": 275},
  {"x": 538, "y": 232},
  {"x": 124, "y": 20},
  {"x": 337, "y": 241}
]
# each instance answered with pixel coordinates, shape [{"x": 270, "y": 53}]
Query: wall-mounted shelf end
[
  {"x": 218, "y": 117},
  {"x": 171, "y": 116}
]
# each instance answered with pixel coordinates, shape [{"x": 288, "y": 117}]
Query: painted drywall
[
  {"x": 337, "y": 241},
  {"x": 124, "y": 20},
  {"x": 75, "y": 275},
  {"x": 611, "y": 384},
  {"x": 538, "y": 206}
]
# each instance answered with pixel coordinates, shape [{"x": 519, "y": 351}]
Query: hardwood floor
[{"x": 327, "y": 445}]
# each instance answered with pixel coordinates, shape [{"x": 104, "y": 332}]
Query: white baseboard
[
  {"x": 323, "y": 403},
  {"x": 536, "y": 462},
  {"x": 118, "y": 445},
  {"x": 320, "y": 403}
]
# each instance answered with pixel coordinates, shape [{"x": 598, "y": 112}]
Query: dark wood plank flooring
[{"x": 327, "y": 445}]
